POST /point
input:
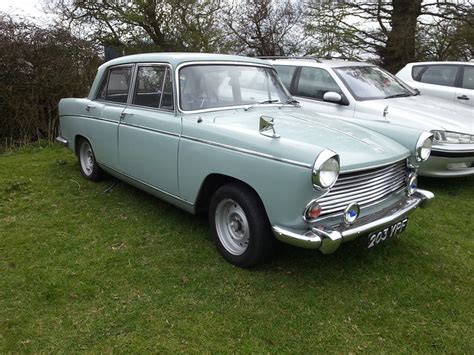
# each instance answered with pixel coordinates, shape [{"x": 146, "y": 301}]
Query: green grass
[{"x": 104, "y": 267}]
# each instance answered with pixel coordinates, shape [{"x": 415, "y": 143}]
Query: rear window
[
  {"x": 468, "y": 78},
  {"x": 115, "y": 87},
  {"x": 439, "y": 75}
]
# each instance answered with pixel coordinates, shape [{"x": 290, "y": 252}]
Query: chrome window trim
[
  {"x": 249, "y": 152},
  {"x": 182, "y": 65},
  {"x": 108, "y": 69},
  {"x": 155, "y": 64}
]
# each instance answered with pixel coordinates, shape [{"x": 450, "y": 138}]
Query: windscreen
[
  {"x": 217, "y": 85},
  {"x": 370, "y": 83}
]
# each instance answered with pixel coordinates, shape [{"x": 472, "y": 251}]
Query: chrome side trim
[
  {"x": 249, "y": 152},
  {"x": 146, "y": 184},
  {"x": 149, "y": 129},
  {"x": 92, "y": 118}
]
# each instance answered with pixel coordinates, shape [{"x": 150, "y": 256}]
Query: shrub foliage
[{"x": 38, "y": 67}]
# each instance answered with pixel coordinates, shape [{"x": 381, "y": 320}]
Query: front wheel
[
  {"x": 239, "y": 226},
  {"x": 89, "y": 167}
]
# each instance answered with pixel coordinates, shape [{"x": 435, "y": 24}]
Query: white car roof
[
  {"x": 440, "y": 62},
  {"x": 331, "y": 63}
]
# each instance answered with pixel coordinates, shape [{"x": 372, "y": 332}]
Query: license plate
[{"x": 376, "y": 238}]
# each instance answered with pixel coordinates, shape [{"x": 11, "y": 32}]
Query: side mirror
[
  {"x": 266, "y": 127},
  {"x": 332, "y": 96}
]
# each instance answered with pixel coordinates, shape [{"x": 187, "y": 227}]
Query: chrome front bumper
[{"x": 328, "y": 239}]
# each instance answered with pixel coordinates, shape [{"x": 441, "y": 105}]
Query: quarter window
[
  {"x": 416, "y": 70},
  {"x": 440, "y": 75},
  {"x": 116, "y": 87},
  {"x": 315, "y": 82},
  {"x": 468, "y": 78}
]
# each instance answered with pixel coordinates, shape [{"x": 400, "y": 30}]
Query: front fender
[{"x": 406, "y": 136}]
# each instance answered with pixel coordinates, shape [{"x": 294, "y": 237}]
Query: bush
[{"x": 38, "y": 67}]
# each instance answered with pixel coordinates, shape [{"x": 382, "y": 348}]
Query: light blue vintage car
[{"x": 221, "y": 134}]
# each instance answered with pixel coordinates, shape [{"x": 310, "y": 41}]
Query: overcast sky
[{"x": 29, "y": 8}]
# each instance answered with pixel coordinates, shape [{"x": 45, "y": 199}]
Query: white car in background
[
  {"x": 370, "y": 96},
  {"x": 452, "y": 81}
]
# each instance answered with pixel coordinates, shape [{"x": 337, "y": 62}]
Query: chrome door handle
[
  {"x": 123, "y": 114},
  {"x": 463, "y": 97},
  {"x": 89, "y": 107}
]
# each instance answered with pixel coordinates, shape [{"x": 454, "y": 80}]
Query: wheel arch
[
  {"x": 211, "y": 184},
  {"x": 77, "y": 139}
]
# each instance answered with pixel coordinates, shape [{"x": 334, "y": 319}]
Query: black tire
[
  {"x": 88, "y": 166},
  {"x": 259, "y": 243}
]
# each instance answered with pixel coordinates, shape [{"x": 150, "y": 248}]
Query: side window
[
  {"x": 149, "y": 86},
  {"x": 115, "y": 88},
  {"x": 440, "y": 75},
  {"x": 167, "y": 96},
  {"x": 285, "y": 72},
  {"x": 416, "y": 70},
  {"x": 468, "y": 78},
  {"x": 315, "y": 82}
]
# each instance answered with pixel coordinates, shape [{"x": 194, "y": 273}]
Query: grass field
[{"x": 105, "y": 267}]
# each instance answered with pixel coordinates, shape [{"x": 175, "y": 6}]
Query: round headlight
[
  {"x": 325, "y": 170},
  {"x": 423, "y": 146}
]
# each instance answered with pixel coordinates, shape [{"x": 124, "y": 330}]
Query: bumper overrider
[{"x": 327, "y": 239}]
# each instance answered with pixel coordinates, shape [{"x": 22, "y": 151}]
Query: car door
[
  {"x": 149, "y": 130},
  {"x": 106, "y": 108},
  {"x": 438, "y": 80},
  {"x": 310, "y": 85},
  {"x": 465, "y": 91}
]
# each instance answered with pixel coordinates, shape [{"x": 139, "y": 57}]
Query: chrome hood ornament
[{"x": 385, "y": 113}]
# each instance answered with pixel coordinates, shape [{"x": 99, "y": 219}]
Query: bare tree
[
  {"x": 165, "y": 25},
  {"x": 387, "y": 29},
  {"x": 266, "y": 27}
]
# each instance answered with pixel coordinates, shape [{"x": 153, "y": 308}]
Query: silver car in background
[
  {"x": 453, "y": 81},
  {"x": 371, "y": 97}
]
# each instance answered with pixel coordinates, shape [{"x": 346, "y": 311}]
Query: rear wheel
[
  {"x": 239, "y": 226},
  {"x": 89, "y": 167}
]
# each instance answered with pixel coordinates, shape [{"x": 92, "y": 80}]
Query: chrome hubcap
[
  {"x": 86, "y": 158},
  {"x": 232, "y": 226}
]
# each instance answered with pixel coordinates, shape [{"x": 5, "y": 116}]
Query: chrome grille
[{"x": 364, "y": 187}]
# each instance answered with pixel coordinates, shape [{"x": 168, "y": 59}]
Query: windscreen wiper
[
  {"x": 262, "y": 103},
  {"x": 397, "y": 95},
  {"x": 292, "y": 102}
]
